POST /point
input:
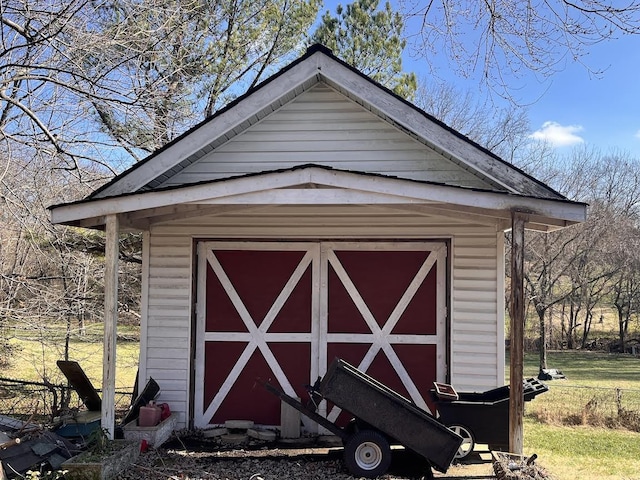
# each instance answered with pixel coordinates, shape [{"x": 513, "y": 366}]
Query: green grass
[
  {"x": 594, "y": 369},
  {"x": 559, "y": 423},
  {"x": 584, "y": 452},
  {"x": 37, "y": 350}
]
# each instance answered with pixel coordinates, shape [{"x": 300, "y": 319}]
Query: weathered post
[
  {"x": 110, "y": 322},
  {"x": 516, "y": 394}
]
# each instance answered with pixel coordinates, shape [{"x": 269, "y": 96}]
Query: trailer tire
[
  {"x": 468, "y": 442},
  {"x": 367, "y": 454}
]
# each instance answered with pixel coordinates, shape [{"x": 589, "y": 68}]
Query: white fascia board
[
  {"x": 554, "y": 209},
  {"x": 226, "y": 121},
  {"x": 189, "y": 194},
  {"x": 361, "y": 188}
]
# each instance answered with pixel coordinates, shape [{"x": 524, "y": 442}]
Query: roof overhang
[{"x": 316, "y": 185}]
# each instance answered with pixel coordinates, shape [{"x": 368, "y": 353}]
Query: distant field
[
  {"x": 558, "y": 423},
  {"x": 36, "y": 352}
]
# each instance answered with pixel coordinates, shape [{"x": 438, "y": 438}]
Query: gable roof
[{"x": 316, "y": 66}]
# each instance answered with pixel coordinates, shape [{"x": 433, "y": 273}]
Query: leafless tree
[
  {"x": 583, "y": 266},
  {"x": 499, "y": 40},
  {"x": 51, "y": 72},
  {"x": 504, "y": 130}
]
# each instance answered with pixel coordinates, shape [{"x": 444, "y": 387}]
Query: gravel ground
[{"x": 190, "y": 461}]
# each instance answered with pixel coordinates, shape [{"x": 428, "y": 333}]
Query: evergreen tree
[{"x": 370, "y": 40}]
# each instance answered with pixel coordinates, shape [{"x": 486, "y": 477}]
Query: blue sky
[
  {"x": 573, "y": 107},
  {"x": 601, "y": 111}
]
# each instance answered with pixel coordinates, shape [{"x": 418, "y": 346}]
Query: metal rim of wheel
[
  {"x": 467, "y": 445},
  {"x": 368, "y": 455}
]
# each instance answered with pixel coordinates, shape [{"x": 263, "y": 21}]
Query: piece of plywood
[
  {"x": 81, "y": 384},
  {"x": 150, "y": 392}
]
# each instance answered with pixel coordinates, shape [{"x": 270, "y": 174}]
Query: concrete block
[
  {"x": 234, "y": 438},
  {"x": 214, "y": 432},
  {"x": 238, "y": 424},
  {"x": 155, "y": 436},
  {"x": 266, "y": 435}
]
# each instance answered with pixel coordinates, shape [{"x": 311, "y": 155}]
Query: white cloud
[
  {"x": 637, "y": 134},
  {"x": 558, "y": 135}
]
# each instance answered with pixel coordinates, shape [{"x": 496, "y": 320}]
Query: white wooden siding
[
  {"x": 475, "y": 314},
  {"x": 477, "y": 324},
  {"x": 323, "y": 127},
  {"x": 166, "y": 352}
]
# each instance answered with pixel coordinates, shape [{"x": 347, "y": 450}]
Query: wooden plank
[
  {"x": 289, "y": 420},
  {"x": 517, "y": 312},
  {"x": 110, "y": 322},
  {"x": 81, "y": 384}
]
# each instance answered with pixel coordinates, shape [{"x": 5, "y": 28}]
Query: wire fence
[
  {"x": 561, "y": 405},
  {"x": 585, "y": 405},
  {"x": 42, "y": 402}
]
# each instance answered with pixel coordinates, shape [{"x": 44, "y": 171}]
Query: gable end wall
[{"x": 323, "y": 127}]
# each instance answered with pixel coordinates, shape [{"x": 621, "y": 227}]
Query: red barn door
[
  {"x": 283, "y": 311},
  {"x": 384, "y": 313}
]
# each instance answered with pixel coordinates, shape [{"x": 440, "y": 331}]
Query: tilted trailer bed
[{"x": 381, "y": 417}]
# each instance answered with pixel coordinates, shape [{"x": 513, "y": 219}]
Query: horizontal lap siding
[
  {"x": 323, "y": 127},
  {"x": 168, "y": 320},
  {"x": 475, "y": 308},
  {"x": 477, "y": 325}
]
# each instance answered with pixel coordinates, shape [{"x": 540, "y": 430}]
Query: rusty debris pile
[
  {"x": 27, "y": 446},
  {"x": 509, "y": 466}
]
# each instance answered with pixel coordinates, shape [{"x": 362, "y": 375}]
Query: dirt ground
[{"x": 180, "y": 460}]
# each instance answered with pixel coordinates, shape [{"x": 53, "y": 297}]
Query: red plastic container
[{"x": 149, "y": 415}]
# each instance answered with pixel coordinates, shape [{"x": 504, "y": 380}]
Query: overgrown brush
[{"x": 597, "y": 411}]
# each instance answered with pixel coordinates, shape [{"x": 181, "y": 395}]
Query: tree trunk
[
  {"x": 621, "y": 328},
  {"x": 543, "y": 340},
  {"x": 585, "y": 329}
]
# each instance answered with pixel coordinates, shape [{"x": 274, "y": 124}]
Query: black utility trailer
[
  {"x": 382, "y": 417},
  {"x": 480, "y": 417}
]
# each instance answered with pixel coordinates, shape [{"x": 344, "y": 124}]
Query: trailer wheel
[
  {"x": 367, "y": 454},
  {"x": 468, "y": 441}
]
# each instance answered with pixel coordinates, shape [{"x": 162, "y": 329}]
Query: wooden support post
[
  {"x": 110, "y": 323},
  {"x": 517, "y": 312}
]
